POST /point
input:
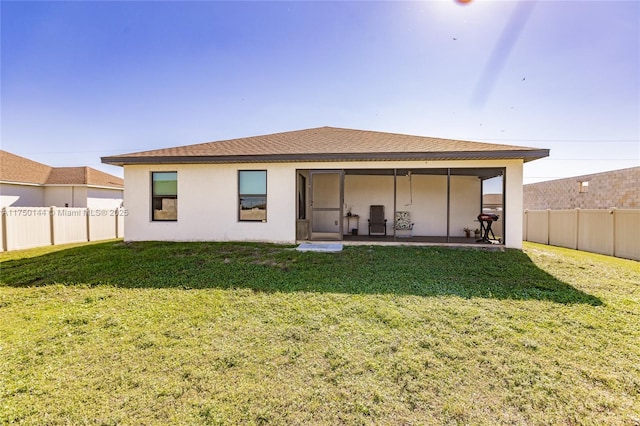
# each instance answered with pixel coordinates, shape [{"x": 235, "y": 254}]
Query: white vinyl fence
[
  {"x": 27, "y": 227},
  {"x": 614, "y": 232}
]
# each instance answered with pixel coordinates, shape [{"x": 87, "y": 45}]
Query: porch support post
[
  {"x": 504, "y": 206},
  {"x": 395, "y": 199},
  {"x": 481, "y": 196},
  {"x": 448, "y": 201}
]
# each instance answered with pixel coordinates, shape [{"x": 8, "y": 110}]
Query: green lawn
[{"x": 213, "y": 333}]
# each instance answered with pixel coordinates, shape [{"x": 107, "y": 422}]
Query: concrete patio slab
[{"x": 320, "y": 247}]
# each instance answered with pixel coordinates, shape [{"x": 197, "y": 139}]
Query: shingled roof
[
  {"x": 328, "y": 144},
  {"x": 83, "y": 176},
  {"x": 14, "y": 168}
]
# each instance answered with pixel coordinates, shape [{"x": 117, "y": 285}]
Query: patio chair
[
  {"x": 377, "y": 222},
  {"x": 402, "y": 224}
]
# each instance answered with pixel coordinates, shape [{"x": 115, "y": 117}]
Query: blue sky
[{"x": 80, "y": 80}]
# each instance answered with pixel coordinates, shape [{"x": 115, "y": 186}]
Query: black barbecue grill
[{"x": 486, "y": 219}]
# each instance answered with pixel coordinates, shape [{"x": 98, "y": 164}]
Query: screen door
[{"x": 326, "y": 204}]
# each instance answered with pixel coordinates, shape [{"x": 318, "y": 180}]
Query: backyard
[{"x": 221, "y": 333}]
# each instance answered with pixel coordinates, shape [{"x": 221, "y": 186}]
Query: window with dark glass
[
  {"x": 252, "y": 191},
  {"x": 164, "y": 196}
]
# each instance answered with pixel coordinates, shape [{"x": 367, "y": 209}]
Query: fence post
[
  {"x": 52, "y": 212},
  {"x": 613, "y": 231},
  {"x": 88, "y": 215},
  {"x": 117, "y": 218},
  {"x": 577, "y": 245},
  {"x": 548, "y": 226},
  {"x": 4, "y": 229}
]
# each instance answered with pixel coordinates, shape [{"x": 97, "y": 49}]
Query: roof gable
[
  {"x": 82, "y": 176},
  {"x": 328, "y": 143},
  {"x": 67, "y": 176}
]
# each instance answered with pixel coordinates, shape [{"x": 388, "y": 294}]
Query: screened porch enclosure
[{"x": 441, "y": 203}]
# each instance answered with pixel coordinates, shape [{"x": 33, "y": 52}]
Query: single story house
[
  {"x": 27, "y": 183},
  {"x": 320, "y": 184}
]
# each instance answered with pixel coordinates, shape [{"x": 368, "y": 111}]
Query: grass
[{"x": 213, "y": 333}]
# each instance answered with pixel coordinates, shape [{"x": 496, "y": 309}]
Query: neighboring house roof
[
  {"x": 328, "y": 144},
  {"x": 14, "y": 168},
  {"x": 82, "y": 176}
]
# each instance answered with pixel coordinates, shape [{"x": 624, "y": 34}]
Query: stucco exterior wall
[
  {"x": 208, "y": 204},
  {"x": 208, "y": 199},
  {"x": 21, "y": 195},
  {"x": 12, "y": 195},
  {"x": 104, "y": 198},
  {"x": 69, "y": 196},
  {"x": 618, "y": 188},
  {"x": 360, "y": 192},
  {"x": 512, "y": 212},
  {"x": 423, "y": 196},
  {"x": 465, "y": 204}
]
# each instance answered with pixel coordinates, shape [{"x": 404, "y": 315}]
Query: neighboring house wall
[
  {"x": 24, "y": 195},
  {"x": 12, "y": 195},
  {"x": 65, "y": 196},
  {"x": 80, "y": 196},
  {"x": 58, "y": 196},
  {"x": 104, "y": 198},
  {"x": 83, "y": 196},
  {"x": 618, "y": 188},
  {"x": 208, "y": 199}
]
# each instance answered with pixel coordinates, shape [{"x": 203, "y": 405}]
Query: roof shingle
[
  {"x": 328, "y": 143},
  {"x": 14, "y": 168}
]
